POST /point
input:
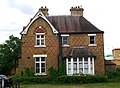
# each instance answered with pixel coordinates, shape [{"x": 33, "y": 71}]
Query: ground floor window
[
  {"x": 84, "y": 65},
  {"x": 40, "y": 65}
]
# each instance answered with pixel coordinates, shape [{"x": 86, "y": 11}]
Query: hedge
[
  {"x": 28, "y": 80},
  {"x": 82, "y": 79}
]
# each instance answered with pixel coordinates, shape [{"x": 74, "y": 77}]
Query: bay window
[{"x": 83, "y": 65}]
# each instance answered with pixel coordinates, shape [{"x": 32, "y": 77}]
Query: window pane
[
  {"x": 65, "y": 40},
  {"x": 69, "y": 59},
  {"x": 85, "y": 65},
  {"x": 38, "y": 42},
  {"x": 42, "y": 70},
  {"x": 81, "y": 70},
  {"x": 37, "y": 59},
  {"x": 42, "y": 58},
  {"x": 80, "y": 59},
  {"x": 91, "y": 71},
  {"x": 80, "y": 65},
  {"x": 38, "y": 36},
  {"x": 42, "y": 36},
  {"x": 37, "y": 70},
  {"x": 42, "y": 41},
  {"x": 75, "y": 59},
  {"x": 42, "y": 64},
  {"x": 37, "y": 65},
  {"x": 92, "y": 39},
  {"x": 86, "y": 71},
  {"x": 69, "y": 68},
  {"x": 69, "y": 71},
  {"x": 75, "y": 68},
  {"x": 69, "y": 65},
  {"x": 85, "y": 60}
]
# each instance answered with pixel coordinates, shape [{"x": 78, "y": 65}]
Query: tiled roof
[
  {"x": 78, "y": 52},
  {"x": 116, "y": 49},
  {"x": 73, "y": 24},
  {"x": 108, "y": 62}
]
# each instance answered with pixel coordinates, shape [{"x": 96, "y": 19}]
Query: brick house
[
  {"x": 116, "y": 56},
  {"x": 71, "y": 38}
]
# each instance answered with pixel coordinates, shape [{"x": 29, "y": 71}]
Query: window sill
[
  {"x": 65, "y": 45},
  {"x": 92, "y": 44},
  {"x": 40, "y": 46},
  {"x": 40, "y": 74}
]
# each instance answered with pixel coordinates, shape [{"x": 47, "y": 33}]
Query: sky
[{"x": 104, "y": 14}]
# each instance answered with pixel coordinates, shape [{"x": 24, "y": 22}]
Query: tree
[{"x": 9, "y": 53}]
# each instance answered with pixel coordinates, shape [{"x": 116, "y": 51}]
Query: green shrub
[
  {"x": 112, "y": 73},
  {"x": 53, "y": 73},
  {"x": 29, "y": 80},
  {"x": 28, "y": 72},
  {"x": 82, "y": 79},
  {"x": 115, "y": 79},
  {"x": 118, "y": 70}
]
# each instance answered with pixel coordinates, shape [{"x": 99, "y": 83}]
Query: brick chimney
[
  {"x": 44, "y": 10},
  {"x": 77, "y": 11}
]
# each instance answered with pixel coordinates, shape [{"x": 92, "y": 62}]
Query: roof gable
[{"x": 38, "y": 14}]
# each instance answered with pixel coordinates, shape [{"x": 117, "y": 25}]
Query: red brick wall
[
  {"x": 83, "y": 40},
  {"x": 28, "y": 49},
  {"x": 52, "y": 47}
]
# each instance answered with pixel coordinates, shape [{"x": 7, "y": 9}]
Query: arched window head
[
  {"x": 40, "y": 37},
  {"x": 40, "y": 29}
]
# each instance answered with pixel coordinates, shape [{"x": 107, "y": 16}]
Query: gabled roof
[
  {"x": 65, "y": 24},
  {"x": 78, "y": 52},
  {"x": 39, "y": 14},
  {"x": 72, "y": 24}
]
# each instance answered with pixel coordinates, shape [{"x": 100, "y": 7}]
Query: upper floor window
[
  {"x": 92, "y": 39},
  {"x": 40, "y": 37},
  {"x": 65, "y": 40}
]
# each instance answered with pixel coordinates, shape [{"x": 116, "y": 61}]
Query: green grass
[{"x": 94, "y": 85}]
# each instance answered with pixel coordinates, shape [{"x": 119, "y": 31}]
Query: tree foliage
[{"x": 9, "y": 53}]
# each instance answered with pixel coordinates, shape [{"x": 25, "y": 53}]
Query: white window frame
[
  {"x": 40, "y": 62},
  {"x": 90, "y": 64},
  {"x": 65, "y": 35},
  {"x": 93, "y": 35},
  {"x": 40, "y": 40}
]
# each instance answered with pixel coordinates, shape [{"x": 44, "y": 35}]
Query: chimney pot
[
  {"x": 44, "y": 10},
  {"x": 77, "y": 11}
]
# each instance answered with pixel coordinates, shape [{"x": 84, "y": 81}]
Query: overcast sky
[{"x": 104, "y": 14}]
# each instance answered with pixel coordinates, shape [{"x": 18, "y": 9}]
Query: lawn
[{"x": 95, "y": 85}]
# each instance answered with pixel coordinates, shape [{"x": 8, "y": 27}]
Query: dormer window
[
  {"x": 92, "y": 39},
  {"x": 40, "y": 37},
  {"x": 65, "y": 40}
]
